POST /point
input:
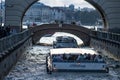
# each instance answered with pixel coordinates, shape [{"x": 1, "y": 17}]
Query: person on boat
[
  {"x": 57, "y": 58},
  {"x": 64, "y": 57},
  {"x": 80, "y": 57},
  {"x": 93, "y": 57},
  {"x": 88, "y": 56},
  {"x": 100, "y": 59},
  {"x": 85, "y": 55},
  {"x": 68, "y": 56}
]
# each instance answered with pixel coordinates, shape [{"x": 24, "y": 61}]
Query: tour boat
[
  {"x": 73, "y": 59},
  {"x": 65, "y": 42}
]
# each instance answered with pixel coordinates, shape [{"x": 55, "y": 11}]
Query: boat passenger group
[{"x": 75, "y": 57}]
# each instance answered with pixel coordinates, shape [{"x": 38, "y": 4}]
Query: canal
[{"x": 31, "y": 66}]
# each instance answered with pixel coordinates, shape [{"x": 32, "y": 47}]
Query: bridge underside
[{"x": 80, "y": 32}]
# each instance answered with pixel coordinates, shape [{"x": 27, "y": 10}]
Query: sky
[{"x": 77, "y": 3}]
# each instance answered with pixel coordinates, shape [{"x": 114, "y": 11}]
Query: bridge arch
[
  {"x": 79, "y": 31},
  {"x": 48, "y": 39},
  {"x": 109, "y": 10}
]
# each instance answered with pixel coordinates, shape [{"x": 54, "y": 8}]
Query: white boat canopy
[{"x": 70, "y": 51}]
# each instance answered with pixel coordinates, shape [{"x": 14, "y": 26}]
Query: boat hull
[{"x": 80, "y": 67}]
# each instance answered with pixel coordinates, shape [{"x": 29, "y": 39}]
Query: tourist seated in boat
[
  {"x": 57, "y": 58},
  {"x": 93, "y": 57},
  {"x": 99, "y": 58},
  {"x": 66, "y": 56},
  {"x": 80, "y": 57},
  {"x": 69, "y": 57},
  {"x": 89, "y": 57},
  {"x": 72, "y": 58}
]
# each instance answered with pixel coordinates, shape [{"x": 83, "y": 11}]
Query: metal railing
[
  {"x": 114, "y": 37},
  {"x": 12, "y": 40}
]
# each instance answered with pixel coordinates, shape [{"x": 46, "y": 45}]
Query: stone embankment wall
[
  {"x": 107, "y": 43},
  {"x": 11, "y": 48}
]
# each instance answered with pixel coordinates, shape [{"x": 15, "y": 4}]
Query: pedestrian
[{"x": 8, "y": 30}]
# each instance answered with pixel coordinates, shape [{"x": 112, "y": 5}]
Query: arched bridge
[
  {"x": 79, "y": 31},
  {"x": 109, "y": 10}
]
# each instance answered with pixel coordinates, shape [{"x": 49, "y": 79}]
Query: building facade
[{"x": 42, "y": 13}]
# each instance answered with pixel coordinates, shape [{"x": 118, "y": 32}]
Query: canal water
[{"x": 31, "y": 66}]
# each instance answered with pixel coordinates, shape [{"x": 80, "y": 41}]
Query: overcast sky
[{"x": 77, "y": 3}]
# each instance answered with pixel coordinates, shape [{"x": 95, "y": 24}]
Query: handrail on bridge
[
  {"x": 106, "y": 36},
  {"x": 12, "y": 40}
]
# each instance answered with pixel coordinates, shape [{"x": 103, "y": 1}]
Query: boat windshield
[{"x": 66, "y": 45}]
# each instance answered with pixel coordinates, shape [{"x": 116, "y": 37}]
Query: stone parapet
[
  {"x": 108, "y": 42},
  {"x": 11, "y": 56}
]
